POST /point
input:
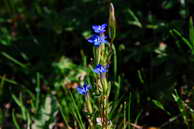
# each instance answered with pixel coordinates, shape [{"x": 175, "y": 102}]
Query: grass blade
[
  {"x": 13, "y": 59},
  {"x": 175, "y": 33},
  {"x": 15, "y": 121}
]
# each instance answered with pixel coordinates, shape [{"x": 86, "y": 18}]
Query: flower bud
[{"x": 112, "y": 23}]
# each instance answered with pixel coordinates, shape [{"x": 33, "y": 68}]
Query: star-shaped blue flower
[
  {"x": 100, "y": 69},
  {"x": 99, "y": 28},
  {"x": 97, "y": 40},
  {"x": 84, "y": 89}
]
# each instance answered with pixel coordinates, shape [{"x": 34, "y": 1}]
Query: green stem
[{"x": 90, "y": 110}]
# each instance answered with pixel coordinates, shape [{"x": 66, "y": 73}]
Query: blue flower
[
  {"x": 97, "y": 40},
  {"x": 84, "y": 89},
  {"x": 99, "y": 28},
  {"x": 100, "y": 69}
]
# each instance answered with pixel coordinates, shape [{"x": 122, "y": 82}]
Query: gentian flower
[
  {"x": 84, "y": 89},
  {"x": 99, "y": 28},
  {"x": 100, "y": 69},
  {"x": 97, "y": 40}
]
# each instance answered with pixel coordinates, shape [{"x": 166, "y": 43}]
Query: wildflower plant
[{"x": 102, "y": 58}]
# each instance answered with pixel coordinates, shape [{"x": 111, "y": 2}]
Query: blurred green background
[{"x": 44, "y": 51}]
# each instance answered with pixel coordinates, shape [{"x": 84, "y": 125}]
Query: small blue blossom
[
  {"x": 97, "y": 40},
  {"x": 99, "y": 28},
  {"x": 84, "y": 89},
  {"x": 100, "y": 69}
]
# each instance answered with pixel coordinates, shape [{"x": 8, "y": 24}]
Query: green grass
[{"x": 44, "y": 56}]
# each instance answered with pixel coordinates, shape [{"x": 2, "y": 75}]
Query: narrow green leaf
[
  {"x": 17, "y": 100},
  {"x": 140, "y": 76},
  {"x": 37, "y": 90},
  {"x": 181, "y": 107},
  {"x": 191, "y": 31},
  {"x": 135, "y": 20},
  {"x": 159, "y": 105},
  {"x": 138, "y": 116},
  {"x": 8, "y": 80},
  {"x": 129, "y": 109},
  {"x": 115, "y": 61},
  {"x": 63, "y": 113},
  {"x": 15, "y": 121},
  {"x": 124, "y": 114},
  {"x": 13, "y": 60},
  {"x": 175, "y": 33},
  {"x": 77, "y": 112}
]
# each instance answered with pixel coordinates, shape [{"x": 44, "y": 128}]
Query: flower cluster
[
  {"x": 99, "y": 69},
  {"x": 99, "y": 28},
  {"x": 84, "y": 89},
  {"x": 99, "y": 38}
]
